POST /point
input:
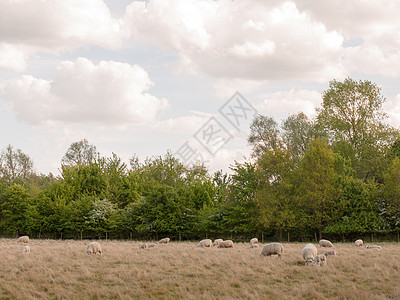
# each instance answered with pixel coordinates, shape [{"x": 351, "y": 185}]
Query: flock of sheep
[{"x": 309, "y": 252}]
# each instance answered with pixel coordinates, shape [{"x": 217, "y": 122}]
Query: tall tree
[
  {"x": 15, "y": 164},
  {"x": 264, "y": 135},
  {"x": 80, "y": 153}
]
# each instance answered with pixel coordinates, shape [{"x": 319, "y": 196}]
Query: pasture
[{"x": 56, "y": 269}]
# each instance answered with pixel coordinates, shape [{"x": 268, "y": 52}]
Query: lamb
[
  {"x": 330, "y": 252},
  {"x": 373, "y": 247},
  {"x": 309, "y": 253},
  {"x": 164, "y": 241},
  {"x": 94, "y": 248},
  {"x": 217, "y": 241},
  {"x": 272, "y": 248},
  {"x": 325, "y": 243},
  {"x": 26, "y": 249},
  {"x": 205, "y": 243},
  {"x": 254, "y": 241},
  {"x": 225, "y": 244},
  {"x": 23, "y": 239},
  {"x": 359, "y": 243},
  {"x": 318, "y": 259}
]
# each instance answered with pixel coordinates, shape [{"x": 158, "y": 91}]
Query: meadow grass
[{"x": 61, "y": 269}]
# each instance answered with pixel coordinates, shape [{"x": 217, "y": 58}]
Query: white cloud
[
  {"x": 82, "y": 92},
  {"x": 260, "y": 40},
  {"x": 12, "y": 57}
]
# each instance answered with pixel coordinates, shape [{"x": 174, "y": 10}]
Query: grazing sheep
[
  {"x": 330, "y": 252},
  {"x": 309, "y": 253},
  {"x": 373, "y": 247},
  {"x": 225, "y": 244},
  {"x": 325, "y": 243},
  {"x": 164, "y": 241},
  {"x": 151, "y": 245},
  {"x": 26, "y": 249},
  {"x": 319, "y": 259},
  {"x": 272, "y": 248},
  {"x": 254, "y": 241},
  {"x": 254, "y": 245},
  {"x": 23, "y": 239},
  {"x": 205, "y": 243},
  {"x": 143, "y": 246},
  {"x": 359, "y": 243},
  {"x": 217, "y": 241},
  {"x": 94, "y": 248}
]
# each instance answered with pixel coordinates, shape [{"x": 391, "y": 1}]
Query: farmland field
[{"x": 58, "y": 269}]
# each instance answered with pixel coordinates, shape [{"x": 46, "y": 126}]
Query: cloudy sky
[{"x": 147, "y": 77}]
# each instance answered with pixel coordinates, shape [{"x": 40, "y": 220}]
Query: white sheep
[
  {"x": 374, "y": 247},
  {"x": 151, "y": 245},
  {"x": 309, "y": 253},
  {"x": 205, "y": 243},
  {"x": 319, "y": 259},
  {"x": 254, "y": 241},
  {"x": 217, "y": 241},
  {"x": 143, "y": 246},
  {"x": 94, "y": 248},
  {"x": 330, "y": 253},
  {"x": 26, "y": 249},
  {"x": 254, "y": 245},
  {"x": 359, "y": 243},
  {"x": 272, "y": 248},
  {"x": 164, "y": 241},
  {"x": 225, "y": 244},
  {"x": 23, "y": 239},
  {"x": 325, "y": 243}
]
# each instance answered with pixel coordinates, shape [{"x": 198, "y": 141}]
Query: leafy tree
[
  {"x": 15, "y": 164},
  {"x": 99, "y": 218},
  {"x": 264, "y": 135},
  {"x": 80, "y": 153}
]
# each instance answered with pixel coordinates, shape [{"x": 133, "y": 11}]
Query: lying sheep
[
  {"x": 26, "y": 249},
  {"x": 325, "y": 243},
  {"x": 151, "y": 245},
  {"x": 217, "y": 241},
  {"x": 319, "y": 259},
  {"x": 164, "y": 241},
  {"x": 143, "y": 246},
  {"x": 373, "y": 247},
  {"x": 272, "y": 248},
  {"x": 254, "y": 241},
  {"x": 309, "y": 253},
  {"x": 205, "y": 243},
  {"x": 94, "y": 248},
  {"x": 23, "y": 239},
  {"x": 359, "y": 243},
  {"x": 225, "y": 244},
  {"x": 254, "y": 245},
  {"x": 330, "y": 252}
]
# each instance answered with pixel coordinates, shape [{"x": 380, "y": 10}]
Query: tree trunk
[
  {"x": 315, "y": 235},
  {"x": 280, "y": 234},
  {"x": 179, "y": 236},
  {"x": 81, "y": 235},
  {"x": 262, "y": 237},
  {"x": 320, "y": 233},
  {"x": 130, "y": 235},
  {"x": 288, "y": 237}
]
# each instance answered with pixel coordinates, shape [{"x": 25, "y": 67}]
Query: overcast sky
[{"x": 135, "y": 77}]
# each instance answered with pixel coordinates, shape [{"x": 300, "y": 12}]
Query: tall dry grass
[{"x": 62, "y": 270}]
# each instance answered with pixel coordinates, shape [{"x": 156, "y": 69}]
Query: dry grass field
[{"x": 62, "y": 270}]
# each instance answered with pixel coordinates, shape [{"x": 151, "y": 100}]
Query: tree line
[{"x": 336, "y": 174}]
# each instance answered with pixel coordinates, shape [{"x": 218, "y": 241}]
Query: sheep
[
  {"x": 254, "y": 241},
  {"x": 94, "y": 248},
  {"x": 373, "y": 247},
  {"x": 26, "y": 249},
  {"x": 143, "y": 246},
  {"x": 151, "y": 245},
  {"x": 23, "y": 239},
  {"x": 164, "y": 241},
  {"x": 359, "y": 243},
  {"x": 318, "y": 259},
  {"x": 217, "y": 241},
  {"x": 309, "y": 253},
  {"x": 325, "y": 243},
  {"x": 254, "y": 245},
  {"x": 272, "y": 248},
  {"x": 205, "y": 243},
  {"x": 225, "y": 244},
  {"x": 330, "y": 252}
]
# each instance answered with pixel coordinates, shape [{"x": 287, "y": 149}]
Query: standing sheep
[
  {"x": 330, "y": 252},
  {"x": 254, "y": 241},
  {"x": 164, "y": 241},
  {"x": 319, "y": 259},
  {"x": 205, "y": 243},
  {"x": 217, "y": 241},
  {"x": 94, "y": 248},
  {"x": 23, "y": 239},
  {"x": 272, "y": 248},
  {"x": 325, "y": 243},
  {"x": 309, "y": 253},
  {"x": 359, "y": 243},
  {"x": 225, "y": 244},
  {"x": 26, "y": 249}
]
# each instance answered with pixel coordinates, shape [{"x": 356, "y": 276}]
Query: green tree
[
  {"x": 80, "y": 153},
  {"x": 15, "y": 164},
  {"x": 264, "y": 135}
]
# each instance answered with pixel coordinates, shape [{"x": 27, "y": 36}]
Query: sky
[{"x": 185, "y": 76}]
